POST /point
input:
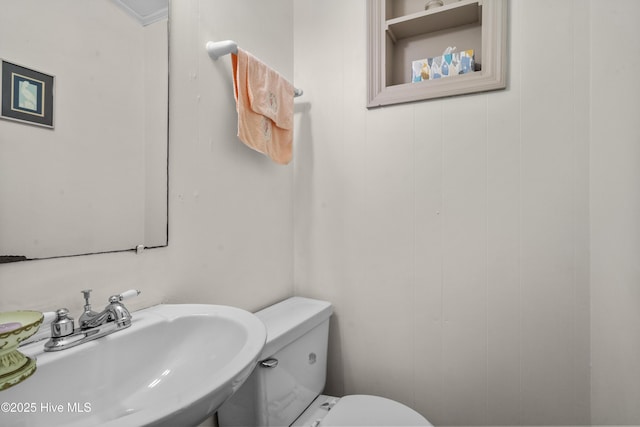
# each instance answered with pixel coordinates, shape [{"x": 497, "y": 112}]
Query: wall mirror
[{"x": 96, "y": 180}]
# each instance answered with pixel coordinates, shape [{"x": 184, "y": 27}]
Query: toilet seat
[{"x": 365, "y": 410}]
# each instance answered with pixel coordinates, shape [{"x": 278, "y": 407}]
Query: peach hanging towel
[{"x": 264, "y": 101}]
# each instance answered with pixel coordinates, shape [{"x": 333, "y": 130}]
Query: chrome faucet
[{"x": 92, "y": 325}]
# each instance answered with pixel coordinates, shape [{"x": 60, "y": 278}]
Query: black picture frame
[{"x": 27, "y": 95}]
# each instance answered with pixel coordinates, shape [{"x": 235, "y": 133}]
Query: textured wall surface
[{"x": 452, "y": 235}]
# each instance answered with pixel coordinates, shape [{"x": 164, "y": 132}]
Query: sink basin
[{"x": 174, "y": 366}]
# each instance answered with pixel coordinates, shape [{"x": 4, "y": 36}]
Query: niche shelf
[{"x": 401, "y": 31}]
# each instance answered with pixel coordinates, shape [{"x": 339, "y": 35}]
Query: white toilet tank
[{"x": 292, "y": 370}]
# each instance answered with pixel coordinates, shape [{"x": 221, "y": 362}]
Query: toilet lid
[{"x": 363, "y": 410}]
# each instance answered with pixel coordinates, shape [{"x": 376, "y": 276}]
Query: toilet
[{"x": 285, "y": 388}]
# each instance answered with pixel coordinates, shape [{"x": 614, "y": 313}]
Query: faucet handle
[
  {"x": 125, "y": 295},
  {"x": 129, "y": 294},
  {"x": 62, "y": 325}
]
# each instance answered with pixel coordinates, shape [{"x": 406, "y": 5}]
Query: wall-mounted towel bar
[{"x": 225, "y": 47}]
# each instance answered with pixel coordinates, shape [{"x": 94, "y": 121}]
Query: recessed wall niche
[{"x": 403, "y": 31}]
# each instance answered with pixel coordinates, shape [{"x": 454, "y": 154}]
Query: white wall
[
  {"x": 451, "y": 235},
  {"x": 230, "y": 209},
  {"x": 615, "y": 213}
]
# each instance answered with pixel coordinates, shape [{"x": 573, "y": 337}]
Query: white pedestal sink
[{"x": 174, "y": 366}]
